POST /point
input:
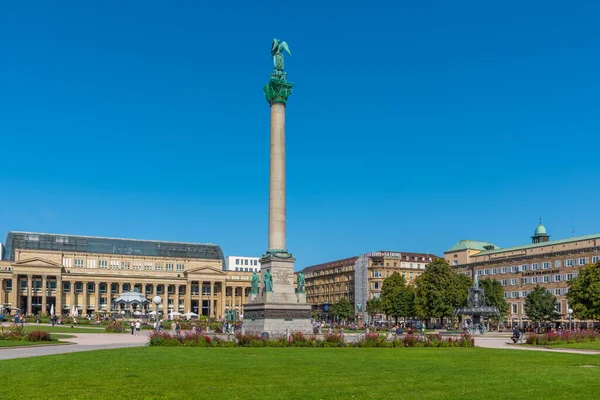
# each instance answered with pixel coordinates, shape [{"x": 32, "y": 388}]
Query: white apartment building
[{"x": 241, "y": 263}]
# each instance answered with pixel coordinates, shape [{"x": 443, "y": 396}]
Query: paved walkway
[
  {"x": 495, "y": 341},
  {"x": 82, "y": 342}
]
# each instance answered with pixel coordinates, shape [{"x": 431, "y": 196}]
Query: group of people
[{"x": 135, "y": 326}]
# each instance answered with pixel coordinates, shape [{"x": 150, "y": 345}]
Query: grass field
[
  {"x": 303, "y": 373},
  {"x": 582, "y": 346},
  {"x": 60, "y": 329},
  {"x": 17, "y": 343}
]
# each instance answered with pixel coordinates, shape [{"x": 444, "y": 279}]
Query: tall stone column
[
  {"x": 243, "y": 289},
  {"x": 277, "y": 309},
  {"x": 176, "y": 299},
  {"x": 2, "y": 300},
  {"x": 44, "y": 293},
  {"x": 233, "y": 290},
  {"x": 29, "y": 288}
]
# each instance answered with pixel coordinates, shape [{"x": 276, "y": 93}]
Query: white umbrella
[
  {"x": 52, "y": 310},
  {"x": 73, "y": 310},
  {"x": 190, "y": 314},
  {"x": 152, "y": 313},
  {"x": 76, "y": 313},
  {"x": 137, "y": 313}
]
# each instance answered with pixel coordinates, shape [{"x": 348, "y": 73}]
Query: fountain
[{"x": 476, "y": 309}]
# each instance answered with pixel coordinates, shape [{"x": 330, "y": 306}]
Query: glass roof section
[{"x": 92, "y": 244}]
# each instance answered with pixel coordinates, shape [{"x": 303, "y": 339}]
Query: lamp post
[
  {"x": 123, "y": 320},
  {"x": 570, "y": 312},
  {"x": 156, "y": 300}
]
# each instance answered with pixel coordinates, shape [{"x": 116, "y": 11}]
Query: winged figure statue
[{"x": 277, "y": 49}]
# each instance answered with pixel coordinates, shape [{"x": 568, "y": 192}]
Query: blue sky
[{"x": 412, "y": 124}]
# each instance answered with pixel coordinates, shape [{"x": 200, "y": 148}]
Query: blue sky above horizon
[{"x": 411, "y": 126}]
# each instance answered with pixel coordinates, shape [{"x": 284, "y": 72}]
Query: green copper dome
[{"x": 540, "y": 230}]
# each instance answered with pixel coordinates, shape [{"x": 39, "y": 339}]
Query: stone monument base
[{"x": 277, "y": 318}]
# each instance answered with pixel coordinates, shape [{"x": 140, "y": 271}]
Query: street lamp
[
  {"x": 570, "y": 312},
  {"x": 156, "y": 300},
  {"x": 123, "y": 320}
]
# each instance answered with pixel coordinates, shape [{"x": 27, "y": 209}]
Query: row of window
[
  {"x": 538, "y": 279},
  {"x": 537, "y": 266},
  {"x": 246, "y": 269},
  {"x": 125, "y": 265},
  {"x": 525, "y": 293},
  {"x": 244, "y": 261}
]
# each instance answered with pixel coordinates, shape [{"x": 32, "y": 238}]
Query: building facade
[
  {"x": 65, "y": 271},
  {"x": 544, "y": 262},
  {"x": 359, "y": 278},
  {"x": 241, "y": 263}
]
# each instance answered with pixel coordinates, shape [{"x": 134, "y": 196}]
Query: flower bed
[
  {"x": 195, "y": 339},
  {"x": 17, "y": 333},
  {"x": 548, "y": 339}
]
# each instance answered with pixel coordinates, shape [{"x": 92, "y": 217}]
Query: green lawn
[
  {"x": 302, "y": 373},
  {"x": 61, "y": 329},
  {"x": 17, "y": 343},
  {"x": 582, "y": 346}
]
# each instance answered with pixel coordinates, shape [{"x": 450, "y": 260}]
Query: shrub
[
  {"x": 163, "y": 338},
  {"x": 248, "y": 340},
  {"x": 14, "y": 332},
  {"x": 39, "y": 336},
  {"x": 551, "y": 338},
  {"x": 114, "y": 327}
]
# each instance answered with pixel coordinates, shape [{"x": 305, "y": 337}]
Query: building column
[
  {"x": 14, "y": 294},
  {"x": 243, "y": 300},
  {"x": 58, "y": 296},
  {"x": 44, "y": 293},
  {"x": 120, "y": 288},
  {"x": 72, "y": 296},
  {"x": 211, "y": 309},
  {"x": 154, "y": 289},
  {"x": 29, "y": 283},
  {"x": 233, "y": 290},
  {"x": 187, "y": 304},
  {"x": 223, "y": 298},
  {"x": 2, "y": 291},
  {"x": 176, "y": 299},
  {"x": 97, "y": 297},
  {"x": 166, "y": 301},
  {"x": 84, "y": 296}
]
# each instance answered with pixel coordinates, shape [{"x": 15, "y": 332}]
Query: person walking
[
  {"x": 132, "y": 326},
  {"x": 137, "y": 327}
]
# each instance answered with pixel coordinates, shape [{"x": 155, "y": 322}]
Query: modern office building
[
  {"x": 40, "y": 270},
  {"x": 359, "y": 278},
  {"x": 545, "y": 262},
  {"x": 240, "y": 263}
]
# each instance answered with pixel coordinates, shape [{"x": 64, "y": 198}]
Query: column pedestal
[{"x": 278, "y": 311}]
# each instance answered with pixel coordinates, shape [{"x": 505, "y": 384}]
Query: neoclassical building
[
  {"x": 39, "y": 270},
  {"x": 519, "y": 269}
]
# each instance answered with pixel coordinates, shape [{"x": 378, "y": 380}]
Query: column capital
[{"x": 277, "y": 91}]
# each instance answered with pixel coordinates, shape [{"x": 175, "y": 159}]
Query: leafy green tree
[
  {"x": 584, "y": 293},
  {"x": 397, "y": 299},
  {"x": 540, "y": 305},
  {"x": 343, "y": 310},
  {"x": 439, "y": 290},
  {"x": 494, "y": 295},
  {"x": 374, "y": 307}
]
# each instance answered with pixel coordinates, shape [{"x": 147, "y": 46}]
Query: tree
[
  {"x": 439, "y": 290},
  {"x": 397, "y": 299},
  {"x": 374, "y": 307},
  {"x": 343, "y": 310},
  {"x": 540, "y": 305},
  {"x": 494, "y": 295},
  {"x": 584, "y": 293}
]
